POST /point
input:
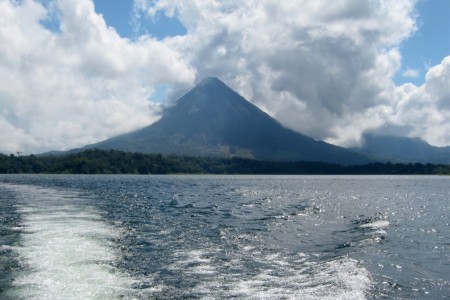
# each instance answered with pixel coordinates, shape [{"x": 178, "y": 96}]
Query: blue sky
[
  {"x": 75, "y": 72},
  {"x": 431, "y": 43},
  {"x": 120, "y": 15}
]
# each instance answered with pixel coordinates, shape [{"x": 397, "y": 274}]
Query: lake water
[{"x": 224, "y": 237}]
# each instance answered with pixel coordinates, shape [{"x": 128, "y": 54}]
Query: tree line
[{"x": 119, "y": 162}]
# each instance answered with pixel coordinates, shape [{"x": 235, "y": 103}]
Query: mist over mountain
[
  {"x": 402, "y": 149},
  {"x": 214, "y": 120}
]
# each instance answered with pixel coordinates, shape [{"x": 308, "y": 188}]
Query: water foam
[
  {"x": 338, "y": 279},
  {"x": 67, "y": 250},
  {"x": 275, "y": 276},
  {"x": 380, "y": 224}
]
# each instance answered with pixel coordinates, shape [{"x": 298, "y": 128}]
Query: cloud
[
  {"x": 425, "y": 109},
  {"x": 77, "y": 85},
  {"x": 411, "y": 73}
]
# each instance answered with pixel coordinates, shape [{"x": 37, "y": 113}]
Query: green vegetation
[{"x": 118, "y": 162}]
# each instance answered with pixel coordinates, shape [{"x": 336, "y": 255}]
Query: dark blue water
[{"x": 224, "y": 237}]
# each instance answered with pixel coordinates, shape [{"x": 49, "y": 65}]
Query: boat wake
[{"x": 66, "y": 250}]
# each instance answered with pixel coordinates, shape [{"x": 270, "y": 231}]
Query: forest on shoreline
[{"x": 119, "y": 162}]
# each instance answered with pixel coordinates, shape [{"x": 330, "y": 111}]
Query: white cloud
[
  {"x": 77, "y": 86},
  {"x": 426, "y": 109},
  {"x": 411, "y": 73}
]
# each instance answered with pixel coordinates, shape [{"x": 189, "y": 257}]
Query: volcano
[{"x": 213, "y": 120}]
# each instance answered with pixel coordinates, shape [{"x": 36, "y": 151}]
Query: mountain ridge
[{"x": 399, "y": 149}]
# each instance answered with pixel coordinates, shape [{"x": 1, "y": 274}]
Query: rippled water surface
[{"x": 224, "y": 237}]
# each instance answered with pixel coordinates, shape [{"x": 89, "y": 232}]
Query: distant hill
[
  {"x": 213, "y": 120},
  {"x": 403, "y": 150}
]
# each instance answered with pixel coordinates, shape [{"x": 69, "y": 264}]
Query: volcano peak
[{"x": 213, "y": 120}]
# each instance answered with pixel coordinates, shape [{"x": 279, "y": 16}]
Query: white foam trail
[
  {"x": 67, "y": 249},
  {"x": 376, "y": 224},
  {"x": 339, "y": 279},
  {"x": 293, "y": 277}
]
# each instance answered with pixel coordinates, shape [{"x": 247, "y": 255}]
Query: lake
[{"x": 224, "y": 237}]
